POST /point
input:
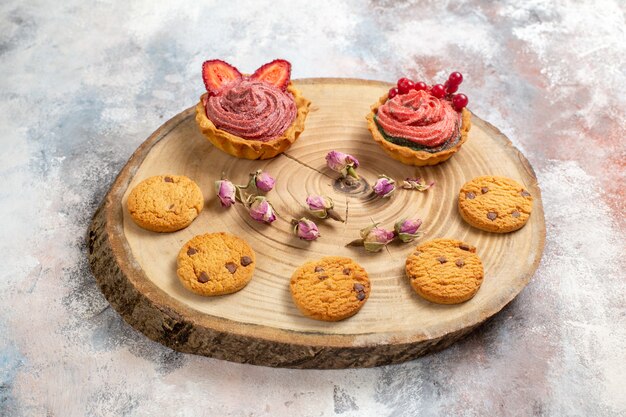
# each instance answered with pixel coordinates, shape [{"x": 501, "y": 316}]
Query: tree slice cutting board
[{"x": 136, "y": 269}]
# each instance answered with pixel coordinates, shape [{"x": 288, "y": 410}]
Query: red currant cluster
[{"x": 438, "y": 90}]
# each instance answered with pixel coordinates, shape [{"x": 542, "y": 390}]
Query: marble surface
[{"x": 82, "y": 85}]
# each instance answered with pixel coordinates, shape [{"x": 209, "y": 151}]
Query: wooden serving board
[{"x": 136, "y": 269}]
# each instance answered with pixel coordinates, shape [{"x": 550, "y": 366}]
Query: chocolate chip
[
  {"x": 360, "y": 291},
  {"x": 459, "y": 263},
  {"x": 463, "y": 246},
  {"x": 323, "y": 277},
  {"x": 442, "y": 260},
  {"x": 191, "y": 251},
  {"x": 515, "y": 214},
  {"x": 525, "y": 193},
  {"x": 168, "y": 179},
  {"x": 346, "y": 271},
  {"x": 170, "y": 207},
  {"x": 319, "y": 269},
  {"x": 204, "y": 277},
  {"x": 470, "y": 195},
  {"x": 245, "y": 260},
  {"x": 492, "y": 215},
  {"x": 484, "y": 190},
  {"x": 231, "y": 266}
]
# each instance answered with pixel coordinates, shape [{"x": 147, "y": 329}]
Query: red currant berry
[
  {"x": 420, "y": 86},
  {"x": 456, "y": 78},
  {"x": 459, "y": 101},
  {"x": 438, "y": 91},
  {"x": 450, "y": 88},
  {"x": 405, "y": 85},
  {"x": 392, "y": 93}
]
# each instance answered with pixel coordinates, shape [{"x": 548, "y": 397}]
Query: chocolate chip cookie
[
  {"x": 165, "y": 203},
  {"x": 495, "y": 204},
  {"x": 445, "y": 271},
  {"x": 330, "y": 289},
  {"x": 215, "y": 264}
]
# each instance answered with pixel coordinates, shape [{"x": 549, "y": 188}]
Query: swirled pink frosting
[
  {"x": 252, "y": 110},
  {"x": 419, "y": 117}
]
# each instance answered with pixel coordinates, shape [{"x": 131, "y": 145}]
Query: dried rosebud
[
  {"x": 264, "y": 181},
  {"x": 322, "y": 207},
  {"x": 376, "y": 238},
  {"x": 407, "y": 229},
  {"x": 319, "y": 206},
  {"x": 261, "y": 210},
  {"x": 384, "y": 186},
  {"x": 306, "y": 229},
  {"x": 225, "y": 192},
  {"x": 416, "y": 184},
  {"x": 343, "y": 163}
]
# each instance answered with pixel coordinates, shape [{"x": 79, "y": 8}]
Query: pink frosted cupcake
[{"x": 418, "y": 125}]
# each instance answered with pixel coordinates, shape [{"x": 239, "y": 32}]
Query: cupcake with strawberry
[
  {"x": 421, "y": 125},
  {"x": 252, "y": 117}
]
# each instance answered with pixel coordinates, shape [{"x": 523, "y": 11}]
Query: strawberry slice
[
  {"x": 277, "y": 73},
  {"x": 217, "y": 73}
]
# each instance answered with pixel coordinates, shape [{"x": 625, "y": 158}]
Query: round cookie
[
  {"x": 445, "y": 271},
  {"x": 495, "y": 204},
  {"x": 165, "y": 203},
  {"x": 215, "y": 264},
  {"x": 330, "y": 289}
]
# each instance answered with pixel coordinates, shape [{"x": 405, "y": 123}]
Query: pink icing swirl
[
  {"x": 419, "y": 117},
  {"x": 252, "y": 110}
]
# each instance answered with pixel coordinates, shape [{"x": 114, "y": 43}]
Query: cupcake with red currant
[
  {"x": 421, "y": 125},
  {"x": 253, "y": 117}
]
